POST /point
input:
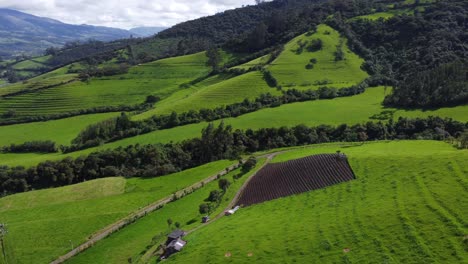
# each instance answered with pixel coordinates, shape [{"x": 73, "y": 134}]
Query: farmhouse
[
  {"x": 176, "y": 234},
  {"x": 174, "y": 243}
]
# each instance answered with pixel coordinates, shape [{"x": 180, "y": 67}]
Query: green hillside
[
  {"x": 389, "y": 212},
  {"x": 149, "y": 231},
  {"x": 347, "y": 110},
  {"x": 210, "y": 95},
  {"x": 290, "y": 67},
  {"x": 160, "y": 78},
  {"x": 60, "y": 131},
  {"x": 45, "y": 224}
]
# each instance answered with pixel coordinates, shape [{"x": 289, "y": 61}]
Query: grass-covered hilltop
[{"x": 358, "y": 109}]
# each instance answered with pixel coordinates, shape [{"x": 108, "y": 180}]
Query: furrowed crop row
[{"x": 296, "y": 176}]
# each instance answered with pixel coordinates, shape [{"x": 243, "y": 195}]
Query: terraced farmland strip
[{"x": 296, "y": 176}]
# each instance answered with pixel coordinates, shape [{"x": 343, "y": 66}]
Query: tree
[
  {"x": 169, "y": 222},
  {"x": 177, "y": 224},
  {"x": 214, "y": 58},
  {"x": 249, "y": 164},
  {"x": 215, "y": 196},
  {"x": 223, "y": 184},
  {"x": 464, "y": 140},
  {"x": 204, "y": 208},
  {"x": 151, "y": 99}
]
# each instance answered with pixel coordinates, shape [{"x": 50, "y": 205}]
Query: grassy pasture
[
  {"x": 394, "y": 212},
  {"x": 60, "y": 131},
  {"x": 130, "y": 241},
  {"x": 160, "y": 78},
  {"x": 290, "y": 68},
  {"x": 46, "y": 223},
  {"x": 346, "y": 110},
  {"x": 210, "y": 94}
]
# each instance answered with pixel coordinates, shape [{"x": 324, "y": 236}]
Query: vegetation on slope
[
  {"x": 160, "y": 78},
  {"x": 60, "y": 131},
  {"x": 216, "y": 143},
  {"x": 147, "y": 233},
  {"x": 47, "y": 223},
  {"x": 403, "y": 48},
  {"x": 290, "y": 68},
  {"x": 395, "y": 211}
]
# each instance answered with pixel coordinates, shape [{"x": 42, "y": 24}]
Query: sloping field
[
  {"x": 214, "y": 94},
  {"x": 52, "y": 78},
  {"x": 60, "y": 131},
  {"x": 290, "y": 67},
  {"x": 132, "y": 241},
  {"x": 347, "y": 110},
  {"x": 160, "y": 78},
  {"x": 45, "y": 224},
  {"x": 296, "y": 176},
  {"x": 405, "y": 206}
]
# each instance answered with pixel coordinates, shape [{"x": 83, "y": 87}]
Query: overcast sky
[{"x": 123, "y": 13}]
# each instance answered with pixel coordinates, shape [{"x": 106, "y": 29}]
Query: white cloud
[{"x": 123, "y": 14}]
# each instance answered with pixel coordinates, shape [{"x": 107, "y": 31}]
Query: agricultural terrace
[
  {"x": 296, "y": 176},
  {"x": 345, "y": 110},
  {"x": 47, "y": 223},
  {"x": 60, "y": 131},
  {"x": 215, "y": 91},
  {"x": 290, "y": 67},
  {"x": 52, "y": 78},
  {"x": 160, "y": 78},
  {"x": 260, "y": 61},
  {"x": 395, "y": 211},
  {"x": 148, "y": 232}
]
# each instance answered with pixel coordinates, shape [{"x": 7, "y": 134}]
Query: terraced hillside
[
  {"x": 289, "y": 67},
  {"x": 213, "y": 93},
  {"x": 47, "y": 223},
  {"x": 402, "y": 191},
  {"x": 160, "y": 78},
  {"x": 296, "y": 176}
]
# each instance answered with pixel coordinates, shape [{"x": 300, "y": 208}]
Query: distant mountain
[
  {"x": 146, "y": 31},
  {"x": 31, "y": 35}
]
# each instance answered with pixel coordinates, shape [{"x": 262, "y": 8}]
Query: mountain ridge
[{"x": 23, "y": 33}]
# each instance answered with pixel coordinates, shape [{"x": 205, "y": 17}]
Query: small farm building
[
  {"x": 232, "y": 211},
  {"x": 176, "y": 234}
]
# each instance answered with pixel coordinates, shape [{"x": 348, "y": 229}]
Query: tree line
[
  {"x": 215, "y": 143},
  {"x": 122, "y": 127},
  {"x": 46, "y": 146}
]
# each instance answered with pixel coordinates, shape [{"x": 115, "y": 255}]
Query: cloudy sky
[{"x": 123, "y": 13}]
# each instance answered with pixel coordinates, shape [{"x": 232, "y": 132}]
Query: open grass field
[
  {"x": 290, "y": 67},
  {"x": 346, "y": 110},
  {"x": 160, "y": 78},
  {"x": 406, "y": 206},
  {"x": 132, "y": 240},
  {"x": 45, "y": 224},
  {"x": 60, "y": 131},
  {"x": 211, "y": 94}
]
